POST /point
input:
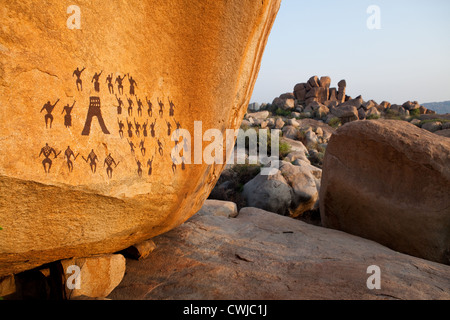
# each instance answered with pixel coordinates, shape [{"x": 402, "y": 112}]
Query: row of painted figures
[
  {"x": 49, "y": 154},
  {"x": 67, "y": 109},
  {"x": 96, "y": 81}
]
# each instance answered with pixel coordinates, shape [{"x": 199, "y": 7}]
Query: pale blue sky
[{"x": 408, "y": 59}]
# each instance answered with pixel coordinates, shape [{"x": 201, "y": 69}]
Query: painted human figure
[
  {"x": 119, "y": 81},
  {"x": 68, "y": 117},
  {"x": 161, "y": 107},
  {"x": 49, "y": 117},
  {"x": 119, "y": 107},
  {"x": 132, "y": 85},
  {"x": 130, "y": 128},
  {"x": 172, "y": 108},
  {"x": 95, "y": 80},
  {"x": 68, "y": 154},
  {"x": 150, "y": 166},
  {"x": 47, "y": 152},
  {"x": 150, "y": 107},
  {"x": 109, "y": 161},
  {"x": 160, "y": 148},
  {"x": 121, "y": 127},
  {"x": 152, "y": 129},
  {"x": 169, "y": 128},
  {"x": 79, "y": 82},
  {"x": 139, "y": 170},
  {"x": 140, "y": 105},
  {"x": 174, "y": 165},
  {"x": 132, "y": 146},
  {"x": 109, "y": 79},
  {"x": 142, "y": 147},
  {"x": 130, "y": 106},
  {"x": 144, "y": 129},
  {"x": 92, "y": 159},
  {"x": 178, "y": 124},
  {"x": 137, "y": 127}
]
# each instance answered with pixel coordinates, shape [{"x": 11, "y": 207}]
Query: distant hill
[{"x": 439, "y": 107}]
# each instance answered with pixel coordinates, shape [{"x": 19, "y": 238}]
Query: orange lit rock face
[{"x": 87, "y": 116}]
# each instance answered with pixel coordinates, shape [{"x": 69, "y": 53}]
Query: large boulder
[
  {"x": 443, "y": 133},
  {"x": 219, "y": 208},
  {"x": 314, "y": 82},
  {"x": 287, "y": 95},
  {"x": 411, "y": 105},
  {"x": 304, "y": 180},
  {"x": 432, "y": 126},
  {"x": 269, "y": 192},
  {"x": 296, "y": 146},
  {"x": 313, "y": 94},
  {"x": 289, "y": 104},
  {"x": 261, "y": 115},
  {"x": 342, "y": 85},
  {"x": 358, "y": 102},
  {"x": 383, "y": 106},
  {"x": 388, "y": 181},
  {"x": 279, "y": 123},
  {"x": 361, "y": 114},
  {"x": 265, "y": 256},
  {"x": 290, "y": 132},
  {"x": 305, "y": 124},
  {"x": 300, "y": 91},
  {"x": 284, "y": 104},
  {"x": 311, "y": 139},
  {"x": 293, "y": 190},
  {"x": 325, "y": 82},
  {"x": 423, "y": 110},
  {"x": 94, "y": 277},
  {"x": 369, "y": 105},
  {"x": 322, "y": 112},
  {"x": 332, "y": 94},
  {"x": 297, "y": 155},
  {"x": 347, "y": 113},
  {"x": 80, "y": 182},
  {"x": 373, "y": 112},
  {"x": 7, "y": 285}
]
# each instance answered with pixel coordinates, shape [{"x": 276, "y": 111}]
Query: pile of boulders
[
  {"x": 294, "y": 189},
  {"x": 317, "y": 100}
]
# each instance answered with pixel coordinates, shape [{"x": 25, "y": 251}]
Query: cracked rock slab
[{"x": 262, "y": 255}]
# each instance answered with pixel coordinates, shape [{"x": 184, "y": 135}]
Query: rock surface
[
  {"x": 98, "y": 276},
  {"x": 443, "y": 133},
  {"x": 264, "y": 256},
  {"x": 219, "y": 208},
  {"x": 293, "y": 190},
  {"x": 304, "y": 180},
  {"x": 77, "y": 175},
  {"x": 271, "y": 193},
  {"x": 389, "y": 181},
  {"x": 7, "y": 285},
  {"x": 140, "y": 250}
]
